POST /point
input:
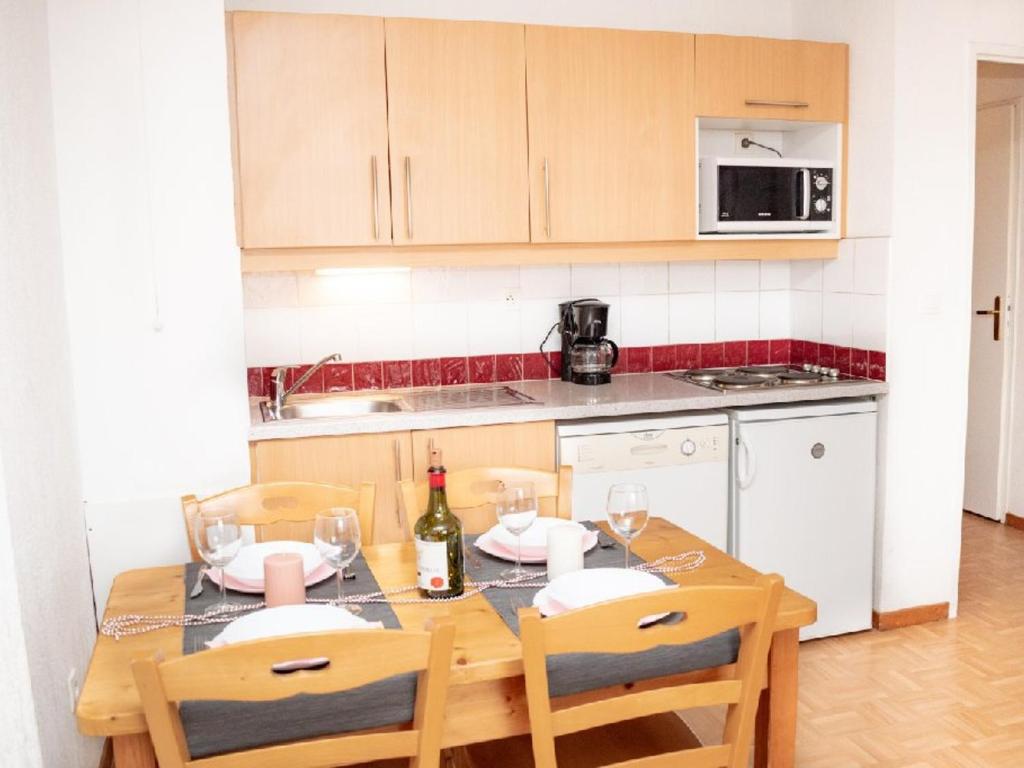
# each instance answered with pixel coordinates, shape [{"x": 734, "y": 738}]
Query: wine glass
[
  {"x": 627, "y": 511},
  {"x": 337, "y": 538},
  {"x": 218, "y": 538},
  {"x": 516, "y": 506}
]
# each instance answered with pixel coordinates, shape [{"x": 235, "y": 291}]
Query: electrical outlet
[
  {"x": 739, "y": 137},
  {"x": 512, "y": 296},
  {"x": 73, "y": 689}
]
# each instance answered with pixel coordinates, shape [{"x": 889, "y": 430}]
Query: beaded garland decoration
[{"x": 136, "y": 623}]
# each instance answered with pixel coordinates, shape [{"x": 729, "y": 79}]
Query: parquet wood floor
[{"x": 946, "y": 694}]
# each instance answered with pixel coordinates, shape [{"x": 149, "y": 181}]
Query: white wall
[
  {"x": 152, "y": 273},
  {"x": 46, "y": 609},
  {"x": 737, "y": 17}
]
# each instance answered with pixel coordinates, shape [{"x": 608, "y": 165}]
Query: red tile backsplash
[
  {"x": 313, "y": 385},
  {"x": 758, "y": 353},
  {"x": 481, "y": 369},
  {"x": 734, "y": 353},
  {"x": 454, "y": 370},
  {"x": 397, "y": 374},
  {"x": 432, "y": 372},
  {"x": 508, "y": 367},
  {"x": 367, "y": 376},
  {"x": 638, "y": 359},
  {"x": 712, "y": 355}
]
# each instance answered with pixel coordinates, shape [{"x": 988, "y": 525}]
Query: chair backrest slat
[
  {"x": 244, "y": 673},
  {"x": 613, "y": 627},
  {"x": 284, "y": 510},
  {"x": 471, "y": 494}
]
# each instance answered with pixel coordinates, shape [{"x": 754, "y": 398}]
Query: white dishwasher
[
  {"x": 683, "y": 459},
  {"x": 803, "y": 503}
]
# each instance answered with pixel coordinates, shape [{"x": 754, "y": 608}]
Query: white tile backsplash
[
  {"x": 545, "y": 281},
  {"x": 691, "y": 277},
  {"x": 638, "y": 279},
  {"x": 644, "y": 320},
  {"x": 737, "y": 315},
  {"x": 592, "y": 280},
  {"x": 775, "y": 321},
  {"x": 737, "y": 276},
  {"x": 691, "y": 318},
  {"x": 871, "y": 265},
  {"x": 439, "y": 312}
]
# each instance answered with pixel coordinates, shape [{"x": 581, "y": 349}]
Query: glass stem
[
  {"x": 223, "y": 590},
  {"x": 627, "y": 553},
  {"x": 519, "y": 552},
  {"x": 340, "y": 577}
]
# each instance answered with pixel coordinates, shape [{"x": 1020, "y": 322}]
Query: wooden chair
[
  {"x": 640, "y": 729},
  {"x": 471, "y": 494},
  {"x": 283, "y": 510},
  {"x": 243, "y": 672}
]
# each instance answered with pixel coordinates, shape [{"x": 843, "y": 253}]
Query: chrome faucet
[{"x": 278, "y": 376}]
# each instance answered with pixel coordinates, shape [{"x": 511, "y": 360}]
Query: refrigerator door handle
[{"x": 747, "y": 467}]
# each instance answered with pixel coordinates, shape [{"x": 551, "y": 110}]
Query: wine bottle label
[{"x": 431, "y": 565}]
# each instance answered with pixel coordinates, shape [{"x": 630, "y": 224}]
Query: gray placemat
[
  {"x": 577, "y": 672},
  {"x": 215, "y": 727}
]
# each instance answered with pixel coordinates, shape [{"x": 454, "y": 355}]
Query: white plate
[
  {"x": 597, "y": 585},
  {"x": 488, "y": 543},
  {"x": 248, "y": 564},
  {"x": 536, "y": 536},
  {"x": 289, "y": 620}
]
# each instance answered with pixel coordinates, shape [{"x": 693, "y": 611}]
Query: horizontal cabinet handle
[{"x": 775, "y": 103}]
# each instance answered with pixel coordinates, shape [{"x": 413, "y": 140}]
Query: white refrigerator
[{"x": 802, "y": 503}]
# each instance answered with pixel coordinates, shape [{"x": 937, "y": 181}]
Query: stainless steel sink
[{"x": 335, "y": 405}]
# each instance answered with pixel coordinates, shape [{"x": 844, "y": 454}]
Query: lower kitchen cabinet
[
  {"x": 385, "y": 458},
  {"x": 512, "y": 445},
  {"x": 382, "y": 459}
]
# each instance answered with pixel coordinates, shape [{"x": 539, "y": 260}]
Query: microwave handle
[{"x": 805, "y": 203}]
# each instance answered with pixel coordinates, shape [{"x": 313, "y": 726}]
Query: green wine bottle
[{"x": 439, "y": 554}]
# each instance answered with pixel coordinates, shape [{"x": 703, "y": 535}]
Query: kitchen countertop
[{"x": 627, "y": 395}]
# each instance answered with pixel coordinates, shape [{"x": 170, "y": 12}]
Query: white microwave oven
[{"x": 750, "y": 195}]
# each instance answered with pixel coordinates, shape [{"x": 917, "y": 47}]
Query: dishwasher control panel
[{"x": 645, "y": 449}]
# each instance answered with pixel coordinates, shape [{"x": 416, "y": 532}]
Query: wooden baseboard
[
  {"x": 907, "y": 617},
  {"x": 1015, "y": 521}
]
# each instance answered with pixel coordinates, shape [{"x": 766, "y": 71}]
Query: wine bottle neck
[{"x": 437, "y": 503}]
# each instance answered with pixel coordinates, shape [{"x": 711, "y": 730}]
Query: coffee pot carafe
[{"x": 587, "y": 355}]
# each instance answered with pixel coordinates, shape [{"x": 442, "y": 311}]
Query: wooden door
[
  {"x": 611, "y": 128},
  {"x": 530, "y": 445},
  {"x": 758, "y": 77},
  {"x": 382, "y": 459},
  {"x": 457, "y": 128},
  {"x": 311, "y": 130},
  {"x": 997, "y": 143}
]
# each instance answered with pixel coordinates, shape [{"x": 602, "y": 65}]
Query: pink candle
[{"x": 283, "y": 579}]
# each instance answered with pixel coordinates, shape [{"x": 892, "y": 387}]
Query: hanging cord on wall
[
  {"x": 747, "y": 143},
  {"x": 147, "y": 177},
  {"x": 544, "y": 353}
]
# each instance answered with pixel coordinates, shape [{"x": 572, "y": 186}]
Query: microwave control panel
[{"x": 821, "y": 194}]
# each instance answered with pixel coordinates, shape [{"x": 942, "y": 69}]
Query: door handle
[
  {"x": 376, "y": 197},
  {"x": 547, "y": 200},
  {"x": 996, "y": 311},
  {"x": 408, "y": 197},
  {"x": 776, "y": 103},
  {"x": 805, "y": 201},
  {"x": 745, "y": 478}
]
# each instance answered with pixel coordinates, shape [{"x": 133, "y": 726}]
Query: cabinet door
[
  {"x": 382, "y": 459},
  {"x": 457, "y": 131},
  {"x": 530, "y": 445},
  {"x": 774, "y": 79},
  {"x": 611, "y": 128},
  {"x": 311, "y": 129}
]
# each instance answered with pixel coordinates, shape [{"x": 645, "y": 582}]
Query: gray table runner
[
  {"x": 577, "y": 672},
  {"x": 214, "y": 727}
]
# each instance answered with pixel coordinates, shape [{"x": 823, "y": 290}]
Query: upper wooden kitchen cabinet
[
  {"x": 457, "y": 132},
  {"x": 311, "y": 132},
  {"x": 611, "y": 127},
  {"x": 758, "y": 77}
]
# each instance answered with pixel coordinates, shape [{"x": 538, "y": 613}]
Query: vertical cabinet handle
[
  {"x": 547, "y": 200},
  {"x": 408, "y": 197},
  {"x": 376, "y": 197},
  {"x": 398, "y": 478}
]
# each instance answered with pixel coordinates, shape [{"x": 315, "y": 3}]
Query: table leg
[
  {"x": 775, "y": 731},
  {"x": 134, "y": 751}
]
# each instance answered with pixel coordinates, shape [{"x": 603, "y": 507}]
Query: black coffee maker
[{"x": 587, "y": 356}]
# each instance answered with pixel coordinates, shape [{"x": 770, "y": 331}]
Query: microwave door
[{"x": 752, "y": 194}]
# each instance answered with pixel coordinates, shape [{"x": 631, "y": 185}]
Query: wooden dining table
[{"x": 487, "y": 699}]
